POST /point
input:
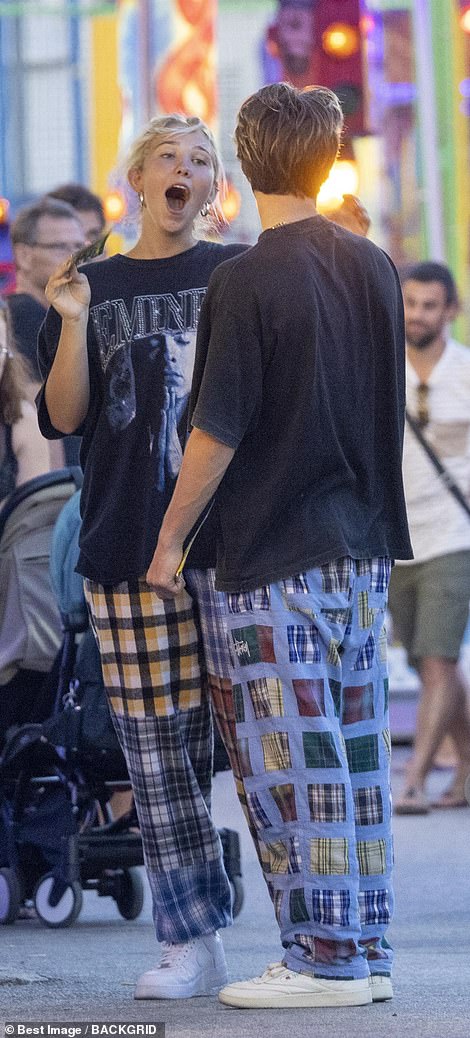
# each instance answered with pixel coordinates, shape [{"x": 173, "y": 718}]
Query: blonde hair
[
  {"x": 163, "y": 126},
  {"x": 288, "y": 139}
]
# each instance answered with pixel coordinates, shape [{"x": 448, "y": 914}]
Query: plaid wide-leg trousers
[
  {"x": 154, "y": 675},
  {"x": 303, "y": 710}
]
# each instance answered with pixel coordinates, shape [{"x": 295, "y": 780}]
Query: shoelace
[
  {"x": 275, "y": 971},
  {"x": 172, "y": 954}
]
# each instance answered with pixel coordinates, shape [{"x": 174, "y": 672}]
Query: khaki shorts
[{"x": 429, "y": 605}]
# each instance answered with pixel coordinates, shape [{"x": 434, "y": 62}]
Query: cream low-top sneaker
[
  {"x": 282, "y": 988},
  {"x": 196, "y": 967},
  {"x": 381, "y": 987}
]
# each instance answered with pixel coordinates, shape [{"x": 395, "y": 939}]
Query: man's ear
[
  {"x": 23, "y": 254},
  {"x": 453, "y": 310}
]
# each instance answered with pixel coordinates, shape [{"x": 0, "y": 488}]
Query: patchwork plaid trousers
[
  {"x": 301, "y": 698},
  {"x": 154, "y": 675}
]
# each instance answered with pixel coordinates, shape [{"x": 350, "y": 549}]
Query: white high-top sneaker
[{"x": 196, "y": 967}]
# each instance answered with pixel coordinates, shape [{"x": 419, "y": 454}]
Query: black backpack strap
[{"x": 444, "y": 474}]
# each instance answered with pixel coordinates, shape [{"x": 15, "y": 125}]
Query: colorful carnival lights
[{"x": 186, "y": 80}]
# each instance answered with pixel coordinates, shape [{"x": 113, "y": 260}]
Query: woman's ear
[
  {"x": 135, "y": 178},
  {"x": 213, "y": 193}
]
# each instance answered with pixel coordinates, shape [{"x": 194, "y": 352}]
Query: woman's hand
[{"x": 69, "y": 292}]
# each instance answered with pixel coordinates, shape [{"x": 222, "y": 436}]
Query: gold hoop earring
[{"x": 205, "y": 209}]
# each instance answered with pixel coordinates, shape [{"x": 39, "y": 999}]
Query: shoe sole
[
  {"x": 381, "y": 987},
  {"x": 209, "y": 984},
  {"x": 410, "y": 809},
  {"x": 351, "y": 993}
]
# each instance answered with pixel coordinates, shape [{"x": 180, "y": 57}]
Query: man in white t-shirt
[{"x": 429, "y": 597}]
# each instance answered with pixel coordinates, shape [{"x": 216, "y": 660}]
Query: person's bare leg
[
  {"x": 460, "y": 735},
  {"x": 440, "y": 712},
  {"x": 446, "y": 756}
]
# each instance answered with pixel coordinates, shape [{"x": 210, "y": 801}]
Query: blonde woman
[{"x": 117, "y": 353}]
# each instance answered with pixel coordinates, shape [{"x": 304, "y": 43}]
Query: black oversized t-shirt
[
  {"x": 300, "y": 367},
  {"x": 141, "y": 342},
  {"x": 26, "y": 316}
]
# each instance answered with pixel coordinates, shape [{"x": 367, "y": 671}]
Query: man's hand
[
  {"x": 351, "y": 214},
  {"x": 161, "y": 574},
  {"x": 205, "y": 461}
]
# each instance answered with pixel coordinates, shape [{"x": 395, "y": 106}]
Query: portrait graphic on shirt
[{"x": 158, "y": 338}]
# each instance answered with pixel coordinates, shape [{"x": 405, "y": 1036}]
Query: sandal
[
  {"x": 450, "y": 799},
  {"x": 412, "y": 802}
]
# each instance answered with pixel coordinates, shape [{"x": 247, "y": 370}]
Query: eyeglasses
[
  {"x": 58, "y": 246},
  {"x": 422, "y": 408}
]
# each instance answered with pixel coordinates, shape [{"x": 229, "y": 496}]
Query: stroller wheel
[
  {"x": 238, "y": 895},
  {"x": 10, "y": 896},
  {"x": 129, "y": 895},
  {"x": 57, "y": 903}
]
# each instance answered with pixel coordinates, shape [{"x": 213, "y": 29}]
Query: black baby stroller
[
  {"x": 30, "y": 623},
  {"x": 57, "y": 836},
  {"x": 57, "y": 778}
]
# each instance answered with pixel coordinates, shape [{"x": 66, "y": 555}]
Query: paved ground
[{"x": 87, "y": 972}]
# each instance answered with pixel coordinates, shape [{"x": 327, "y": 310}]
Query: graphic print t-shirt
[{"x": 141, "y": 344}]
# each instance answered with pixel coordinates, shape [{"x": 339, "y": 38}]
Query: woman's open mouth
[{"x": 177, "y": 195}]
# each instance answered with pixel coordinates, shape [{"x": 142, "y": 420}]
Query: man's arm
[{"x": 205, "y": 462}]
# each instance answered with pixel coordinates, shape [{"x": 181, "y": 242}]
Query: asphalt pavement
[{"x": 87, "y": 972}]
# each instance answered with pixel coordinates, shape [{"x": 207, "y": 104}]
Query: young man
[
  {"x": 429, "y": 598},
  {"x": 298, "y": 408}
]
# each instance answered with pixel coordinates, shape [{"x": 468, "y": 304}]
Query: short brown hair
[
  {"x": 430, "y": 270},
  {"x": 288, "y": 139},
  {"x": 25, "y": 224},
  {"x": 80, "y": 198}
]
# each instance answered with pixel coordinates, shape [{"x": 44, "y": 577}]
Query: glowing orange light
[
  {"x": 340, "y": 40},
  {"x": 343, "y": 179},
  {"x": 367, "y": 24},
  {"x": 465, "y": 19},
  {"x": 193, "y": 10},
  {"x": 4, "y": 210},
  {"x": 114, "y": 205},
  {"x": 186, "y": 81},
  {"x": 231, "y": 203}
]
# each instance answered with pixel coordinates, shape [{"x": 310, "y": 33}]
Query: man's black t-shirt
[
  {"x": 26, "y": 317},
  {"x": 141, "y": 342},
  {"x": 300, "y": 367}
]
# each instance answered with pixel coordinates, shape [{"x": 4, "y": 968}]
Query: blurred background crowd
[{"x": 79, "y": 79}]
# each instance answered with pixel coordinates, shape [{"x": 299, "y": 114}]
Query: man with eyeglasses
[
  {"x": 429, "y": 597},
  {"x": 42, "y": 235}
]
